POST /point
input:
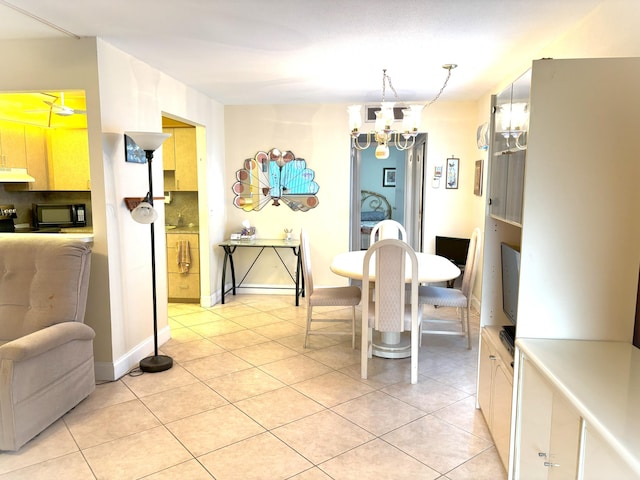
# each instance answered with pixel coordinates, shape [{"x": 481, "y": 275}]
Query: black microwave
[{"x": 59, "y": 215}]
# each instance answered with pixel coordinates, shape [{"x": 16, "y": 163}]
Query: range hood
[{"x": 15, "y": 175}]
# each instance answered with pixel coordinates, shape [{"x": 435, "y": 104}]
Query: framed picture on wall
[
  {"x": 388, "y": 177},
  {"x": 477, "y": 181},
  {"x": 132, "y": 152},
  {"x": 452, "y": 172}
]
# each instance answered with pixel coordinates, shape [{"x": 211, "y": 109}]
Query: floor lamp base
[{"x": 156, "y": 363}]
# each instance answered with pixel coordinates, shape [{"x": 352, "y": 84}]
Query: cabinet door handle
[
  {"x": 492, "y": 357},
  {"x": 549, "y": 464}
]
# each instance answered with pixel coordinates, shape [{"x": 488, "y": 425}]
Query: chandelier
[{"x": 384, "y": 132}]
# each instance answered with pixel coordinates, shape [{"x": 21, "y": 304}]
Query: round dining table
[{"x": 431, "y": 269}]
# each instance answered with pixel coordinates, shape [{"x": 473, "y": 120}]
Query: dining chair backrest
[
  {"x": 386, "y": 310},
  {"x": 471, "y": 266},
  {"x": 387, "y": 229},
  {"x": 306, "y": 263},
  {"x": 389, "y": 290}
]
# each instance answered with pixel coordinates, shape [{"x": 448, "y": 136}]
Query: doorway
[
  {"x": 182, "y": 211},
  {"x": 399, "y": 181}
]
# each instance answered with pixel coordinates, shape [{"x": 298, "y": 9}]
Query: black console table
[{"x": 230, "y": 247}]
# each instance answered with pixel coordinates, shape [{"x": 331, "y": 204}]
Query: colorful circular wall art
[{"x": 275, "y": 176}]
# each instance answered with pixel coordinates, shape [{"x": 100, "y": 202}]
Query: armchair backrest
[{"x": 44, "y": 280}]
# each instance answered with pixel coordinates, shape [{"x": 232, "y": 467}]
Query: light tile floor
[{"x": 245, "y": 400}]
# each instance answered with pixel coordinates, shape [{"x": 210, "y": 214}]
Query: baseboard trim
[{"x": 110, "y": 371}]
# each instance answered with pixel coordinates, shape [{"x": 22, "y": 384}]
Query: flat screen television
[
  {"x": 510, "y": 259},
  {"x": 452, "y": 248}
]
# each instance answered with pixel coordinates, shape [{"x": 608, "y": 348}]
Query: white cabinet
[
  {"x": 496, "y": 389},
  {"x": 601, "y": 460},
  {"x": 577, "y": 415},
  {"x": 503, "y": 223},
  {"x": 508, "y": 151},
  {"x": 579, "y": 235},
  {"x": 549, "y": 430}
]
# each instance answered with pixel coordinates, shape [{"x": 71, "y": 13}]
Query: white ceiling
[{"x": 314, "y": 51}]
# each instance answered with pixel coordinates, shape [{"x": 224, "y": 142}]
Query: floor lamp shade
[
  {"x": 148, "y": 141},
  {"x": 145, "y": 213}
]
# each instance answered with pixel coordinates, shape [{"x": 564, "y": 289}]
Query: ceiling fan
[{"x": 62, "y": 109}]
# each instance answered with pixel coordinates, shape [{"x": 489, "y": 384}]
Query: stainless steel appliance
[
  {"x": 59, "y": 215},
  {"x": 7, "y": 214}
]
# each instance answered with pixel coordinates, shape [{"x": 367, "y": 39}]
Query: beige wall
[
  {"x": 319, "y": 134},
  {"x": 133, "y": 97},
  {"x": 122, "y": 94},
  {"x": 125, "y": 94}
]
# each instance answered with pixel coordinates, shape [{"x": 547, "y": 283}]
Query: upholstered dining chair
[
  {"x": 387, "y": 229},
  {"x": 388, "y": 309},
  {"x": 326, "y": 297},
  {"x": 451, "y": 297}
]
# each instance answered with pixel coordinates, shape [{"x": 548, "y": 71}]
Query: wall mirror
[{"x": 275, "y": 176}]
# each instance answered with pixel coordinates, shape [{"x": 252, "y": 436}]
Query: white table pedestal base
[{"x": 391, "y": 344}]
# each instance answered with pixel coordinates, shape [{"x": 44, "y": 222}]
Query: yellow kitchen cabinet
[
  {"x": 69, "y": 160},
  {"x": 183, "y": 287},
  {"x": 169, "y": 150},
  {"x": 12, "y": 145},
  {"x": 184, "y": 175},
  {"x": 35, "y": 139}
]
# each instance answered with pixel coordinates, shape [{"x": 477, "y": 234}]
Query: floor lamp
[{"x": 145, "y": 213}]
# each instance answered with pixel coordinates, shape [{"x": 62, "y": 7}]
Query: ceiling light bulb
[
  {"x": 355, "y": 120},
  {"x": 382, "y": 151}
]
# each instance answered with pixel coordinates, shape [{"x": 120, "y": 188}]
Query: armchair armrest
[{"x": 39, "y": 342}]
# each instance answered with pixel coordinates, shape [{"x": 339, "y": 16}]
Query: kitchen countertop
[
  {"x": 77, "y": 230},
  {"x": 194, "y": 229},
  {"x": 83, "y": 237}
]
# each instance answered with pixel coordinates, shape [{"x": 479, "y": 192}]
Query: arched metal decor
[{"x": 275, "y": 176}]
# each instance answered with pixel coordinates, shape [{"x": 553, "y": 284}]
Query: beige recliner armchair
[{"x": 46, "y": 351}]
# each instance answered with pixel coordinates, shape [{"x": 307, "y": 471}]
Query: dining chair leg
[
  {"x": 364, "y": 351},
  {"x": 421, "y": 307},
  {"x": 306, "y": 333},
  {"x": 468, "y": 331},
  {"x": 415, "y": 338},
  {"x": 353, "y": 327}
]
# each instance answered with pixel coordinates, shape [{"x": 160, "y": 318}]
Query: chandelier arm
[
  {"x": 384, "y": 133},
  {"x": 402, "y": 143},
  {"x": 356, "y": 143},
  {"x": 391, "y": 86},
  {"x": 444, "y": 85}
]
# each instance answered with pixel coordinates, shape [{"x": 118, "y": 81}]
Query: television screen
[
  {"x": 510, "y": 258},
  {"x": 454, "y": 249}
]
